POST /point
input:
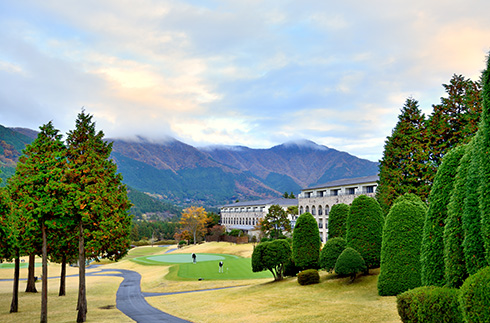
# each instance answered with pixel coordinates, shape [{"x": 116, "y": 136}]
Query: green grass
[
  {"x": 206, "y": 268},
  {"x": 22, "y": 265}
]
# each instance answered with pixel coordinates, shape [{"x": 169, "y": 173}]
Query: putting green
[
  {"x": 22, "y": 265},
  {"x": 206, "y": 267}
]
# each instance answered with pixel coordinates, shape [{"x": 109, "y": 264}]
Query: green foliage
[
  {"x": 306, "y": 242},
  {"x": 331, "y": 252},
  {"x": 275, "y": 221},
  {"x": 365, "y": 228},
  {"x": 7, "y": 240},
  {"x": 146, "y": 204},
  {"x": 474, "y": 254},
  {"x": 272, "y": 256},
  {"x": 400, "y": 251},
  {"x": 403, "y": 167},
  {"x": 454, "y": 260},
  {"x": 160, "y": 230},
  {"x": 475, "y": 297},
  {"x": 429, "y": 304},
  {"x": 337, "y": 220},
  {"x": 308, "y": 277},
  {"x": 432, "y": 251},
  {"x": 349, "y": 263},
  {"x": 235, "y": 233}
]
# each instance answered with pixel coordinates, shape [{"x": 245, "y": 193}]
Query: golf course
[{"x": 234, "y": 295}]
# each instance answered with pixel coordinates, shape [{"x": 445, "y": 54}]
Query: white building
[
  {"x": 319, "y": 199},
  {"x": 246, "y": 215}
]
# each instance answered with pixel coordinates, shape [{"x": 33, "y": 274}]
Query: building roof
[
  {"x": 279, "y": 201},
  {"x": 345, "y": 181}
]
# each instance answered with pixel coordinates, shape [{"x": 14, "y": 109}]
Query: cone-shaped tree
[
  {"x": 364, "y": 229},
  {"x": 432, "y": 251},
  {"x": 403, "y": 167},
  {"x": 455, "y": 266},
  {"x": 400, "y": 251},
  {"x": 306, "y": 242},
  {"x": 337, "y": 220}
]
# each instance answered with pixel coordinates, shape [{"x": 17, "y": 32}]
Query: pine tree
[
  {"x": 432, "y": 252},
  {"x": 100, "y": 204},
  {"x": 403, "y": 168}
]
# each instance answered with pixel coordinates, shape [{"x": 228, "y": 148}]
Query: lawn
[{"x": 256, "y": 300}]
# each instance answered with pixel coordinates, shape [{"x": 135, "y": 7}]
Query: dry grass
[{"x": 333, "y": 300}]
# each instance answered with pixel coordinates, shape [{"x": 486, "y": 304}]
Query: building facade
[
  {"x": 246, "y": 215},
  {"x": 319, "y": 199}
]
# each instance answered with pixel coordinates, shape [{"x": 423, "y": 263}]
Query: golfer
[
  {"x": 220, "y": 267},
  {"x": 193, "y": 257}
]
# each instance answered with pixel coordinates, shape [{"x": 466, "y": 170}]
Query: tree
[
  {"x": 400, "y": 249},
  {"x": 365, "y": 228},
  {"x": 403, "y": 167},
  {"x": 331, "y": 252},
  {"x": 194, "y": 220},
  {"x": 454, "y": 260},
  {"x": 275, "y": 221},
  {"x": 306, "y": 242},
  {"x": 432, "y": 250},
  {"x": 455, "y": 120},
  {"x": 350, "y": 262},
  {"x": 99, "y": 200},
  {"x": 272, "y": 256},
  {"x": 337, "y": 220},
  {"x": 39, "y": 191},
  {"x": 213, "y": 219}
]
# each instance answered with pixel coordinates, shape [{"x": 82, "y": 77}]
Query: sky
[{"x": 252, "y": 73}]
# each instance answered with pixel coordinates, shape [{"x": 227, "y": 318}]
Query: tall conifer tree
[{"x": 403, "y": 168}]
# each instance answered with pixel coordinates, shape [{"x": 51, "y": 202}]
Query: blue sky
[{"x": 254, "y": 73}]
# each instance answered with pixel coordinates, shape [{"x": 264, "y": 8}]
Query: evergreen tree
[
  {"x": 400, "y": 250},
  {"x": 403, "y": 167},
  {"x": 432, "y": 252},
  {"x": 364, "y": 229},
  {"x": 306, "y": 242},
  {"x": 275, "y": 221},
  {"x": 39, "y": 191},
  {"x": 454, "y": 262},
  {"x": 337, "y": 219},
  {"x": 455, "y": 120},
  {"x": 99, "y": 200},
  {"x": 331, "y": 252}
]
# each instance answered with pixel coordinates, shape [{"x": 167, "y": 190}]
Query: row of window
[
  {"x": 338, "y": 191},
  {"x": 243, "y": 209},
  {"x": 314, "y": 210},
  {"x": 239, "y": 221}
]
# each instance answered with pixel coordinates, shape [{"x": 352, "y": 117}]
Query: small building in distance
[
  {"x": 319, "y": 199},
  {"x": 246, "y": 215}
]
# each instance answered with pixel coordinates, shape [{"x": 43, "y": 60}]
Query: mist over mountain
[{"x": 215, "y": 175}]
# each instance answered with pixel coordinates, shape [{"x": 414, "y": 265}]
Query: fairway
[{"x": 206, "y": 268}]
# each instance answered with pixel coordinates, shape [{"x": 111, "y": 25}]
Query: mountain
[{"x": 215, "y": 175}]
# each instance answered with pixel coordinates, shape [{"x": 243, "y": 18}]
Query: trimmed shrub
[
  {"x": 349, "y": 263},
  {"x": 309, "y": 277},
  {"x": 337, "y": 220},
  {"x": 475, "y": 297},
  {"x": 271, "y": 255},
  {"x": 400, "y": 251},
  {"x": 429, "y": 304},
  {"x": 455, "y": 271},
  {"x": 306, "y": 242},
  {"x": 365, "y": 228},
  {"x": 331, "y": 252},
  {"x": 432, "y": 251}
]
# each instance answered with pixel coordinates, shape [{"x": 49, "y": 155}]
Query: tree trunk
[
  {"x": 31, "y": 279},
  {"x": 82, "y": 297},
  {"x": 44, "y": 292},
  {"x": 62, "y": 276},
  {"x": 14, "y": 306}
]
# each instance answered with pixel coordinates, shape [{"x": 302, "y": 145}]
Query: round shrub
[
  {"x": 349, "y": 263},
  {"x": 475, "y": 297},
  {"x": 331, "y": 252},
  {"x": 337, "y": 220},
  {"x": 306, "y": 242},
  {"x": 400, "y": 250},
  {"x": 429, "y": 304},
  {"x": 308, "y": 277},
  {"x": 365, "y": 228}
]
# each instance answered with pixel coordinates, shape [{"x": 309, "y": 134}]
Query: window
[{"x": 351, "y": 190}]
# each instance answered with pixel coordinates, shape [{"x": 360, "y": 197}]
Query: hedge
[{"x": 475, "y": 297}]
